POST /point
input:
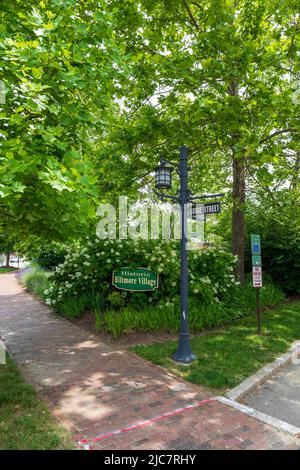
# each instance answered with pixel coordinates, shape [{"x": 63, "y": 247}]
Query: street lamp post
[
  {"x": 163, "y": 172},
  {"x": 184, "y": 353}
]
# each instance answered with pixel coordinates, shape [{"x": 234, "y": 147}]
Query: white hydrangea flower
[{"x": 108, "y": 260}]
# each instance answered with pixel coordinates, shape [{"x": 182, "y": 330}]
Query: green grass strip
[
  {"x": 25, "y": 421},
  {"x": 228, "y": 356}
]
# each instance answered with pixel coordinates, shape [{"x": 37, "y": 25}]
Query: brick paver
[{"x": 94, "y": 388}]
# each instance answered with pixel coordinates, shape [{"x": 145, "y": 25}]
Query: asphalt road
[{"x": 280, "y": 396}]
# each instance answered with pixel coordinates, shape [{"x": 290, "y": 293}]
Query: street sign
[
  {"x": 137, "y": 280},
  {"x": 256, "y": 260},
  {"x": 196, "y": 212},
  {"x": 206, "y": 209},
  {"x": 212, "y": 208},
  {"x": 257, "y": 276},
  {"x": 255, "y": 244}
]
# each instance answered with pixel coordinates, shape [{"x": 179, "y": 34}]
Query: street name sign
[
  {"x": 206, "y": 209},
  {"x": 212, "y": 208},
  {"x": 257, "y": 276},
  {"x": 137, "y": 280}
]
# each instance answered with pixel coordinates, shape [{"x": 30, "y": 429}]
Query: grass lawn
[
  {"x": 226, "y": 357},
  {"x": 25, "y": 421},
  {"x": 6, "y": 270}
]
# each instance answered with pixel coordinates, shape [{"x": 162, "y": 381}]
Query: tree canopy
[{"x": 97, "y": 91}]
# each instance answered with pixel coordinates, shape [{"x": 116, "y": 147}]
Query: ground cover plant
[
  {"x": 25, "y": 421},
  {"x": 228, "y": 356}
]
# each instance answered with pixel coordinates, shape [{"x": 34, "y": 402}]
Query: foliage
[
  {"x": 117, "y": 300},
  {"x": 215, "y": 76},
  {"x": 239, "y": 302},
  {"x": 97, "y": 90},
  {"x": 277, "y": 220},
  {"x": 98, "y": 320},
  {"x": 50, "y": 255},
  {"x": 59, "y": 63},
  {"x": 73, "y": 307},
  {"x": 6, "y": 270},
  {"x": 26, "y": 423},
  {"x": 225, "y": 358},
  {"x": 36, "y": 281},
  {"x": 89, "y": 269}
]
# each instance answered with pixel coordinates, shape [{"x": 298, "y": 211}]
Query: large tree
[{"x": 215, "y": 75}]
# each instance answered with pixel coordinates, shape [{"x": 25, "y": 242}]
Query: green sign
[
  {"x": 256, "y": 260},
  {"x": 138, "y": 280},
  {"x": 255, "y": 244}
]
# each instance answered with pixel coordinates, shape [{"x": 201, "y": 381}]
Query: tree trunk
[
  {"x": 238, "y": 216},
  {"x": 238, "y": 196},
  {"x": 7, "y": 259},
  {"x": 295, "y": 178}
]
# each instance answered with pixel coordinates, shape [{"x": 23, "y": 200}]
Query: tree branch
[
  {"x": 282, "y": 131},
  {"x": 5, "y": 213},
  {"x": 192, "y": 18},
  {"x": 265, "y": 188},
  {"x": 197, "y": 5}
]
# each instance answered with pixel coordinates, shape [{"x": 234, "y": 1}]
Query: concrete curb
[
  {"x": 238, "y": 393},
  {"x": 275, "y": 422}
]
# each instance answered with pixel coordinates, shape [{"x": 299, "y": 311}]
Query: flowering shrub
[
  {"x": 50, "y": 255},
  {"x": 89, "y": 269}
]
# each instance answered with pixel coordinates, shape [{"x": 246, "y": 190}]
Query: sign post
[{"x": 256, "y": 274}]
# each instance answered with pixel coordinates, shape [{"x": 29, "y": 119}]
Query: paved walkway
[
  {"x": 280, "y": 396},
  {"x": 95, "y": 389}
]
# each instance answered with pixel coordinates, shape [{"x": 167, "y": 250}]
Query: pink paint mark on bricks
[{"x": 87, "y": 444}]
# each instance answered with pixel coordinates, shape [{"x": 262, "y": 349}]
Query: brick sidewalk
[{"x": 94, "y": 388}]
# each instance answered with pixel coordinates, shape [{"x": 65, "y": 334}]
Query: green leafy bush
[
  {"x": 36, "y": 281},
  {"x": 74, "y": 307},
  {"x": 50, "y": 255},
  {"x": 278, "y": 223},
  {"x": 89, "y": 269},
  {"x": 117, "y": 300}
]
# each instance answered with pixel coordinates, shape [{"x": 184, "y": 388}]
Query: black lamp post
[{"x": 163, "y": 179}]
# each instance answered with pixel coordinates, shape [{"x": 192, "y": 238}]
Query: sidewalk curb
[
  {"x": 239, "y": 393},
  {"x": 262, "y": 417}
]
